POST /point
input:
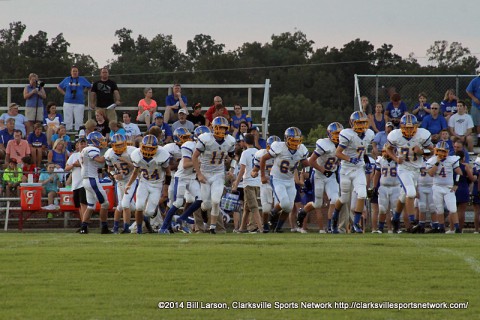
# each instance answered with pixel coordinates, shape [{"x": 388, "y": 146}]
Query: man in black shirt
[
  {"x": 105, "y": 93},
  {"x": 196, "y": 117}
]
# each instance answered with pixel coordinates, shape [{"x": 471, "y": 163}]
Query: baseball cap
[
  {"x": 254, "y": 128},
  {"x": 183, "y": 111},
  {"x": 389, "y": 124},
  {"x": 158, "y": 115}
]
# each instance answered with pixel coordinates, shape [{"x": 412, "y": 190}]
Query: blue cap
[{"x": 158, "y": 115}]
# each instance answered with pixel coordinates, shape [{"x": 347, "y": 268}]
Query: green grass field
[{"x": 69, "y": 276}]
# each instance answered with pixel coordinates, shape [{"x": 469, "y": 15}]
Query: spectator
[
  {"x": 422, "y": 108},
  {"x": 183, "y": 122},
  {"x": 50, "y": 183},
  {"x": 158, "y": 133},
  {"x": 459, "y": 146},
  {"x": 52, "y": 121},
  {"x": 29, "y": 168},
  {"x": 17, "y": 148},
  {"x": 72, "y": 88},
  {"x": 380, "y": 140},
  {"x": 34, "y": 93},
  {"x": 37, "y": 140},
  {"x": 460, "y": 125},
  {"x": 174, "y": 102},
  {"x": 6, "y": 135},
  {"x": 396, "y": 108},
  {"x": 445, "y": 136},
  {"x": 62, "y": 135},
  {"x": 241, "y": 131},
  {"x": 89, "y": 127},
  {"x": 259, "y": 142},
  {"x": 462, "y": 194},
  {"x": 434, "y": 122},
  {"x": 239, "y": 117},
  {"x": 73, "y": 165},
  {"x": 131, "y": 129},
  {"x": 217, "y": 109},
  {"x": 58, "y": 155},
  {"x": 102, "y": 122},
  {"x": 167, "y": 131},
  {"x": 449, "y": 104},
  {"x": 366, "y": 106},
  {"x": 196, "y": 117},
  {"x": 473, "y": 91},
  {"x": 146, "y": 107},
  {"x": 377, "y": 120},
  {"x": 12, "y": 177},
  {"x": 104, "y": 93},
  {"x": 116, "y": 127},
  {"x": 20, "y": 120}
]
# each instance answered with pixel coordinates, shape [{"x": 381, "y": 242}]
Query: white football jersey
[
  {"x": 325, "y": 150},
  {"x": 354, "y": 145},
  {"x": 113, "y": 160},
  {"x": 187, "y": 152},
  {"x": 444, "y": 174},
  {"x": 268, "y": 164},
  {"x": 388, "y": 172},
  {"x": 424, "y": 180},
  {"x": 405, "y": 146},
  {"x": 89, "y": 166},
  {"x": 214, "y": 153},
  {"x": 174, "y": 150},
  {"x": 286, "y": 160},
  {"x": 152, "y": 171}
]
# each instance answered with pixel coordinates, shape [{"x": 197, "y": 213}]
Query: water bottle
[{"x": 30, "y": 178}]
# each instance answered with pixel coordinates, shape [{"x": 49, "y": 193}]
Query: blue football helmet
[
  {"x": 359, "y": 122},
  {"x": 271, "y": 140},
  {"x": 119, "y": 143},
  {"x": 441, "y": 150},
  {"x": 293, "y": 138},
  {"x": 96, "y": 139},
  {"x": 408, "y": 125},
  {"x": 200, "y": 130},
  {"x": 181, "y": 135},
  {"x": 220, "y": 126},
  {"x": 149, "y": 146},
  {"x": 333, "y": 131}
]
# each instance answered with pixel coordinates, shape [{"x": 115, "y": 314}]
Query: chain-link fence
[{"x": 379, "y": 88}]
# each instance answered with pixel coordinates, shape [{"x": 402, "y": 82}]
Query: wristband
[{"x": 457, "y": 179}]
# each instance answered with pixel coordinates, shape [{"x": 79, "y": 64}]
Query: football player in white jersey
[
  {"x": 152, "y": 163},
  {"x": 324, "y": 162},
  {"x": 287, "y": 155},
  {"x": 424, "y": 201},
  {"x": 209, "y": 157},
  {"x": 353, "y": 143},
  {"x": 120, "y": 167},
  {"x": 91, "y": 161},
  {"x": 441, "y": 167},
  {"x": 405, "y": 147},
  {"x": 266, "y": 191},
  {"x": 387, "y": 186}
]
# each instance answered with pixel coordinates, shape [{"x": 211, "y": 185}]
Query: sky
[{"x": 409, "y": 25}]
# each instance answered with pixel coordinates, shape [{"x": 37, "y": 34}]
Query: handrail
[{"x": 265, "y": 108}]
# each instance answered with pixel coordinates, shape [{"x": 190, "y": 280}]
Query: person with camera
[
  {"x": 34, "y": 93},
  {"x": 72, "y": 88}
]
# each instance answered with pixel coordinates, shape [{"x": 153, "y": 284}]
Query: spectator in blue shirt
[
  {"x": 395, "y": 110},
  {"x": 435, "y": 122},
  {"x": 260, "y": 143},
  {"x": 449, "y": 104},
  {"x": 380, "y": 139},
  {"x": 422, "y": 108},
  {"x": 37, "y": 140},
  {"x": 175, "y": 102},
  {"x": 164, "y": 126},
  {"x": 239, "y": 117},
  {"x": 6, "y": 135},
  {"x": 115, "y": 127},
  {"x": 473, "y": 91}
]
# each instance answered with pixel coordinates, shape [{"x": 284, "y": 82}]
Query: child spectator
[
  {"x": 29, "y": 168},
  {"x": 116, "y": 127},
  {"x": 50, "y": 182},
  {"x": 62, "y": 135},
  {"x": 12, "y": 177},
  {"x": 422, "y": 108},
  {"x": 52, "y": 121}
]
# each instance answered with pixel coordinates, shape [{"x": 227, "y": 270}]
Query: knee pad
[
  {"x": 206, "y": 205},
  {"x": 361, "y": 193},
  {"x": 382, "y": 209},
  {"x": 105, "y": 205}
]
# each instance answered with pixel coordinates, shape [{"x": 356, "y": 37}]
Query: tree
[{"x": 445, "y": 56}]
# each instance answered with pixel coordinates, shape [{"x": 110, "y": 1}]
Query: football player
[
  {"x": 91, "y": 161},
  {"x": 152, "y": 163},
  {"x": 441, "y": 167},
  {"x": 266, "y": 191},
  {"x": 353, "y": 143},
  {"x": 211, "y": 151},
  {"x": 287, "y": 155},
  {"x": 324, "y": 162},
  {"x": 386, "y": 184},
  {"x": 409, "y": 142},
  {"x": 120, "y": 167},
  {"x": 425, "y": 197}
]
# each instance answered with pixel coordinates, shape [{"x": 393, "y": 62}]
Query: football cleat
[
  {"x": 359, "y": 122},
  {"x": 105, "y": 230},
  {"x": 408, "y": 125},
  {"x": 212, "y": 231},
  {"x": 333, "y": 131},
  {"x": 293, "y": 138},
  {"x": 357, "y": 228},
  {"x": 418, "y": 229}
]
